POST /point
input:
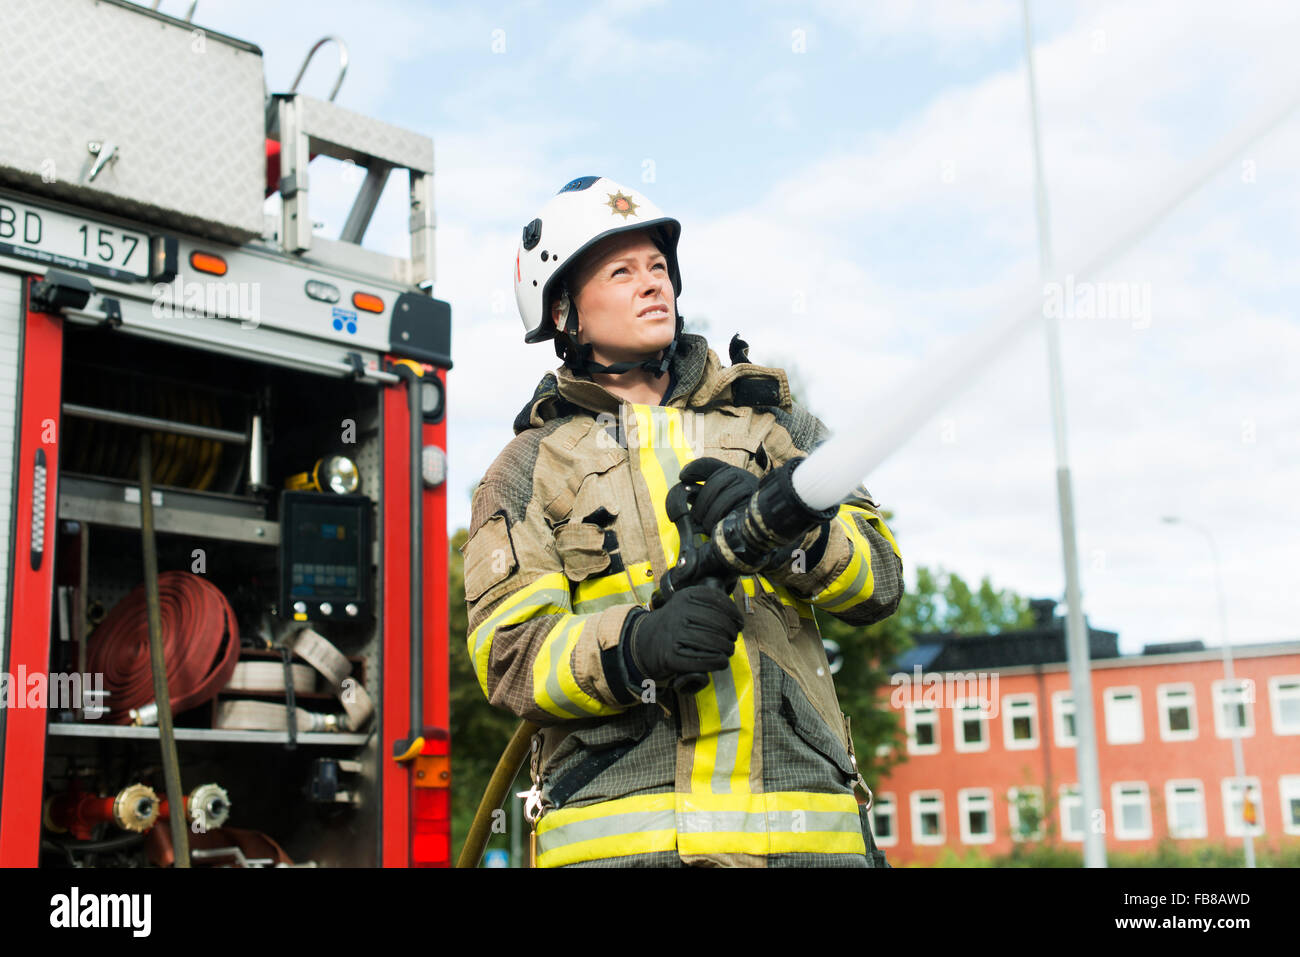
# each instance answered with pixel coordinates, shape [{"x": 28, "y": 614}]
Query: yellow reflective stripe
[
  {"x": 743, "y": 692},
  {"x": 656, "y": 478},
  {"x": 597, "y": 594},
  {"x": 784, "y": 822},
  {"x": 592, "y": 812},
  {"x": 555, "y": 687},
  {"x": 616, "y": 845},
  {"x": 546, "y": 596},
  {"x": 879, "y": 525},
  {"x": 706, "y": 745},
  {"x": 640, "y": 824},
  {"x": 726, "y": 739},
  {"x": 857, "y": 582}
]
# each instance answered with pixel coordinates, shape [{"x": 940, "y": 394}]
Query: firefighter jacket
[{"x": 569, "y": 534}]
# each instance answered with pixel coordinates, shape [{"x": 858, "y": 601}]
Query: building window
[
  {"x": 1236, "y": 818},
  {"x": 1234, "y": 708},
  {"x": 1289, "y": 784},
  {"x": 1177, "y": 712},
  {"x": 1071, "y": 805},
  {"x": 1284, "y": 699},
  {"x": 927, "y": 817},
  {"x": 922, "y": 730},
  {"x": 1132, "y": 810},
  {"x": 971, "y": 725},
  {"x": 1026, "y": 813},
  {"x": 1020, "y": 721},
  {"x": 884, "y": 820},
  {"x": 976, "y": 808},
  {"x": 1185, "y": 803},
  {"x": 1063, "y": 719},
  {"x": 1123, "y": 715}
]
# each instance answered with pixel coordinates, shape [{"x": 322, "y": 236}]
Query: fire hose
[
  {"x": 200, "y": 640},
  {"x": 332, "y": 664}
]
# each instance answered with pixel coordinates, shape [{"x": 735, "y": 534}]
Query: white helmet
[{"x": 581, "y": 214}]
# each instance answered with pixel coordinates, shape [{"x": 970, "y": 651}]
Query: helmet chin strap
[{"x": 578, "y": 357}]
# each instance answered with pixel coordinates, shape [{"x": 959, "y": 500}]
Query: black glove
[
  {"x": 695, "y": 631},
  {"x": 724, "y": 489}
]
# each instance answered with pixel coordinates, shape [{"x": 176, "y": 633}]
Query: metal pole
[
  {"x": 1229, "y": 677},
  {"x": 1094, "y": 840}
]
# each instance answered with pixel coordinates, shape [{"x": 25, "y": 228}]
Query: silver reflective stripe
[
  {"x": 853, "y": 592},
  {"x": 724, "y": 762},
  {"x": 788, "y": 822},
  {"x": 553, "y": 689},
  {"x": 615, "y": 825}
]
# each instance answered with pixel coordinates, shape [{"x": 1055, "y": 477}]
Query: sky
[{"x": 855, "y": 184}]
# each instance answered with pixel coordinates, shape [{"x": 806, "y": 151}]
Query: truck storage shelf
[
  {"x": 177, "y": 511},
  {"x": 204, "y": 734}
]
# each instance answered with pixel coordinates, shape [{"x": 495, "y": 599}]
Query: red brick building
[{"x": 991, "y": 754}]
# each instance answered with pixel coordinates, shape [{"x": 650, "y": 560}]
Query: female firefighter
[{"x": 706, "y": 730}]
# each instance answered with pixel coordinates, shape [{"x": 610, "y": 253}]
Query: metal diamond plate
[{"x": 183, "y": 106}]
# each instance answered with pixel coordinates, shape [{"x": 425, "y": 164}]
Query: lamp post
[
  {"x": 1076, "y": 628},
  {"x": 1238, "y": 762}
]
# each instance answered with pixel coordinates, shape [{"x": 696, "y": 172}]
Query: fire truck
[{"x": 222, "y": 448}]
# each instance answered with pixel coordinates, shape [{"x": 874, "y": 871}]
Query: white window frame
[
  {"x": 1070, "y": 796},
  {"x": 1009, "y": 704},
  {"x": 976, "y": 799},
  {"x": 1237, "y": 827},
  {"x": 1171, "y": 799},
  {"x": 1164, "y": 694},
  {"x": 1013, "y": 797},
  {"x": 1062, "y": 705},
  {"x": 1288, "y": 786},
  {"x": 884, "y": 805},
  {"x": 1275, "y": 696},
  {"x": 932, "y": 718},
  {"x": 918, "y": 838},
  {"x": 1219, "y": 695},
  {"x": 1118, "y": 800},
  {"x": 1109, "y": 699},
  {"x": 959, "y": 719}
]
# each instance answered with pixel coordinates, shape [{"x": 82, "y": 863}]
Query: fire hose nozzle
[{"x": 774, "y": 517}]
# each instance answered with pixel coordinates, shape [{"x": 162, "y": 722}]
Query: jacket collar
[{"x": 697, "y": 379}]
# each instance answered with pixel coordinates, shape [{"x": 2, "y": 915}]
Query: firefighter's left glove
[
  {"x": 719, "y": 489},
  {"x": 695, "y": 631}
]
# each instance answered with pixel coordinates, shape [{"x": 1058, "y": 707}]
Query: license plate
[{"x": 70, "y": 242}]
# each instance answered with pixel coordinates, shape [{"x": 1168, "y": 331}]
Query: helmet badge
[{"x": 621, "y": 204}]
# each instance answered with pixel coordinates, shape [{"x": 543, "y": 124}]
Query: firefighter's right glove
[{"x": 695, "y": 631}]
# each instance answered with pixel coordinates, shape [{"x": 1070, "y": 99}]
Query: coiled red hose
[{"x": 200, "y": 645}]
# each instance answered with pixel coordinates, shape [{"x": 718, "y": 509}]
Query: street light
[{"x": 1228, "y": 676}]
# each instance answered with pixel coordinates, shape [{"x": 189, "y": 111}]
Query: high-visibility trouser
[{"x": 781, "y": 822}]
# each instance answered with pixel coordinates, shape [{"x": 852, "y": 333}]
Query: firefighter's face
[{"x": 624, "y": 299}]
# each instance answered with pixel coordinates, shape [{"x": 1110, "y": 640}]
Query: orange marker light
[
  {"x": 366, "y": 302},
  {"x": 207, "y": 262}
]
